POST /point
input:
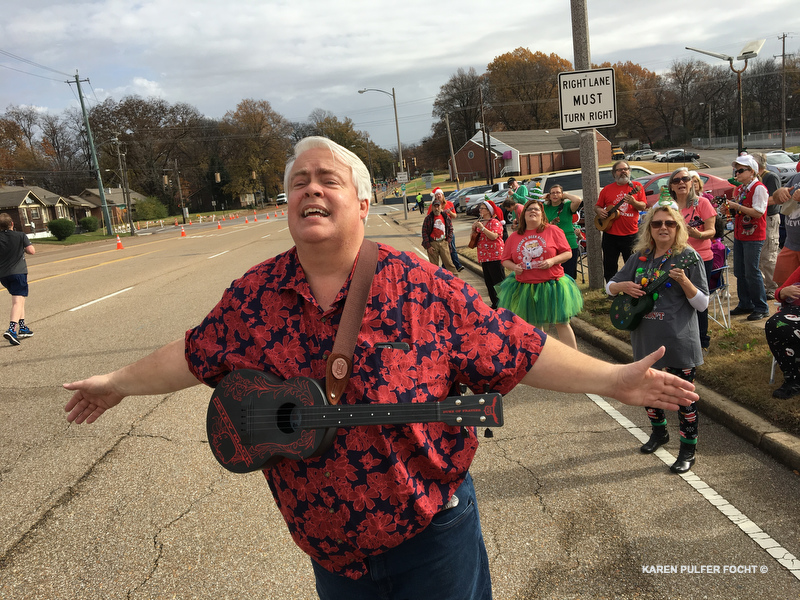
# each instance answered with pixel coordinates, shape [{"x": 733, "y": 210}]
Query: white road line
[
  {"x": 784, "y": 558},
  {"x": 220, "y": 254},
  {"x": 99, "y": 300}
]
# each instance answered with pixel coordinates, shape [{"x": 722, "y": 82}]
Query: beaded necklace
[{"x": 645, "y": 276}]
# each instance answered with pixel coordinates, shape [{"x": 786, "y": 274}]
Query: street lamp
[
  {"x": 750, "y": 50},
  {"x": 399, "y": 147}
]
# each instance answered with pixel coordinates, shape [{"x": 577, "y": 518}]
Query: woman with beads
[
  {"x": 662, "y": 247},
  {"x": 489, "y": 230},
  {"x": 538, "y": 290}
]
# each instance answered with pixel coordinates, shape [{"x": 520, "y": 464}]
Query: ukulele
[
  {"x": 627, "y": 312},
  {"x": 256, "y": 419},
  {"x": 613, "y": 213}
]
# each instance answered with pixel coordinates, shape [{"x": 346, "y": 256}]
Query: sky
[{"x": 302, "y": 55}]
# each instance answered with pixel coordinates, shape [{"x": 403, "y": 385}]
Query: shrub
[
  {"x": 150, "y": 209},
  {"x": 61, "y": 228},
  {"x": 90, "y": 223}
]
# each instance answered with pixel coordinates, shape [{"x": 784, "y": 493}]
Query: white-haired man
[{"x": 363, "y": 510}]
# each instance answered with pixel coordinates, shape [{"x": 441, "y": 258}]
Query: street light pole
[
  {"x": 750, "y": 50},
  {"x": 399, "y": 146}
]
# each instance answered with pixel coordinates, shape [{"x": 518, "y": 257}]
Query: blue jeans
[
  {"x": 454, "y": 254},
  {"x": 446, "y": 561},
  {"x": 749, "y": 284}
]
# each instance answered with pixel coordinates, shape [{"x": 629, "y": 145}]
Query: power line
[
  {"x": 35, "y": 64},
  {"x": 31, "y": 74}
]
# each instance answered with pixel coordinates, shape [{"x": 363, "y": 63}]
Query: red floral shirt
[{"x": 376, "y": 486}]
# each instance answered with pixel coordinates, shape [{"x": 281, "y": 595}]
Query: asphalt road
[{"x": 135, "y": 506}]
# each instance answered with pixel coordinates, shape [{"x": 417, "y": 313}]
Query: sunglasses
[
  {"x": 740, "y": 171},
  {"x": 660, "y": 224},
  {"x": 684, "y": 179}
]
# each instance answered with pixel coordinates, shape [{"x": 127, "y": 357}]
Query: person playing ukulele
[{"x": 617, "y": 210}]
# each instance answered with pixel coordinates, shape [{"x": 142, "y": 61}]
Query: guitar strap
[{"x": 340, "y": 361}]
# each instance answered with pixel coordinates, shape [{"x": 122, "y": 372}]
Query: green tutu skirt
[{"x": 540, "y": 304}]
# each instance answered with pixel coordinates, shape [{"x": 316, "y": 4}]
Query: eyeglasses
[
  {"x": 740, "y": 171},
  {"x": 660, "y": 224},
  {"x": 623, "y": 169},
  {"x": 684, "y": 179}
]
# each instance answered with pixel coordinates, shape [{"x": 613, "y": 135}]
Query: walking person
[
  {"x": 489, "y": 229},
  {"x": 662, "y": 247},
  {"x": 749, "y": 233},
  {"x": 538, "y": 290},
  {"x": 384, "y": 507},
  {"x": 14, "y": 245}
]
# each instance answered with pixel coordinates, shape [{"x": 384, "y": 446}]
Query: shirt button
[
  {"x": 325, "y": 355},
  {"x": 327, "y": 473},
  {"x": 331, "y": 510},
  {"x": 323, "y": 319}
]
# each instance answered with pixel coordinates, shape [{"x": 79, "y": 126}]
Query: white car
[
  {"x": 642, "y": 155},
  {"x": 281, "y": 199},
  {"x": 572, "y": 181},
  {"x": 783, "y": 165}
]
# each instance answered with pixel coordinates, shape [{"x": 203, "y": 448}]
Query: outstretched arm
[
  {"x": 161, "y": 372},
  {"x": 635, "y": 383}
]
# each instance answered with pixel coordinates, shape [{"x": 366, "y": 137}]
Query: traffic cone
[
  {"x": 119, "y": 244},
  {"x": 176, "y": 222},
  {"x": 245, "y": 220},
  {"x": 183, "y": 231},
  {"x": 276, "y": 214},
  {"x": 283, "y": 214},
  {"x": 219, "y": 225},
  {"x": 267, "y": 214},
  {"x": 255, "y": 219}
]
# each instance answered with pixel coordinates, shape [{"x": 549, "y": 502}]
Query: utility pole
[
  {"x": 588, "y": 147},
  {"x": 95, "y": 163},
  {"x": 123, "y": 174},
  {"x": 783, "y": 92},
  {"x": 452, "y": 155},
  {"x": 485, "y": 141},
  {"x": 180, "y": 193}
]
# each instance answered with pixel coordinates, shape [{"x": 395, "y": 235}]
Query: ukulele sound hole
[{"x": 289, "y": 418}]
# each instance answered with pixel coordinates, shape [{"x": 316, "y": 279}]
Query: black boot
[
  {"x": 685, "y": 459},
  {"x": 659, "y": 437}
]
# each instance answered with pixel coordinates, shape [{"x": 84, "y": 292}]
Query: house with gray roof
[{"x": 521, "y": 153}]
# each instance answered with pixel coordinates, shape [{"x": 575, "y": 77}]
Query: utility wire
[
  {"x": 31, "y": 74},
  {"x": 35, "y": 64}
]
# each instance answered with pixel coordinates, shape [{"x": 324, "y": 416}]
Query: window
[
  {"x": 470, "y": 155},
  {"x": 35, "y": 213}
]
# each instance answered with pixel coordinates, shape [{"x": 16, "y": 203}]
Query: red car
[{"x": 711, "y": 183}]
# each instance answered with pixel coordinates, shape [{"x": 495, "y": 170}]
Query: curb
[{"x": 783, "y": 447}]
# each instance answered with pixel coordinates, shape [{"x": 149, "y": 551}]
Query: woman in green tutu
[{"x": 538, "y": 290}]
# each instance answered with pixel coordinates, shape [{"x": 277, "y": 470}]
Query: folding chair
[{"x": 719, "y": 300}]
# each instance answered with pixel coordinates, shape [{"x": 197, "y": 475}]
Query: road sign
[
  {"x": 402, "y": 187},
  {"x": 402, "y": 177},
  {"x": 587, "y": 99}
]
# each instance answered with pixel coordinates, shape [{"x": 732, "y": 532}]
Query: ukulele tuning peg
[{"x": 488, "y": 433}]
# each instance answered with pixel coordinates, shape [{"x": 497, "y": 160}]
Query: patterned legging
[
  {"x": 687, "y": 415},
  {"x": 783, "y": 336}
]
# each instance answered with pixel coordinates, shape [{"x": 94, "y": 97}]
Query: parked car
[
  {"x": 617, "y": 153},
  {"x": 786, "y": 167},
  {"x": 457, "y": 198},
  {"x": 572, "y": 181},
  {"x": 475, "y": 201},
  {"x": 652, "y": 185},
  {"x": 478, "y": 191},
  {"x": 642, "y": 155},
  {"x": 795, "y": 156},
  {"x": 281, "y": 199},
  {"x": 679, "y": 155}
]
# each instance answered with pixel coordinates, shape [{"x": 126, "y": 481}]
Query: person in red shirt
[
  {"x": 437, "y": 231},
  {"x": 393, "y": 502},
  {"x": 489, "y": 228},
  {"x": 621, "y": 200},
  {"x": 449, "y": 209}
]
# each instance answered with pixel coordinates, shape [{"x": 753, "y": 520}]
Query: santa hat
[
  {"x": 494, "y": 210},
  {"x": 437, "y": 190}
]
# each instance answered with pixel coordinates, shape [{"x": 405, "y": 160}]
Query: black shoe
[
  {"x": 459, "y": 268},
  {"x": 770, "y": 296},
  {"x": 685, "y": 459},
  {"x": 755, "y": 316},
  {"x": 740, "y": 310},
  {"x": 659, "y": 437},
  {"x": 787, "y": 390}
]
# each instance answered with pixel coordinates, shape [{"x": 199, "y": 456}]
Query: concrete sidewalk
[{"x": 782, "y": 446}]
